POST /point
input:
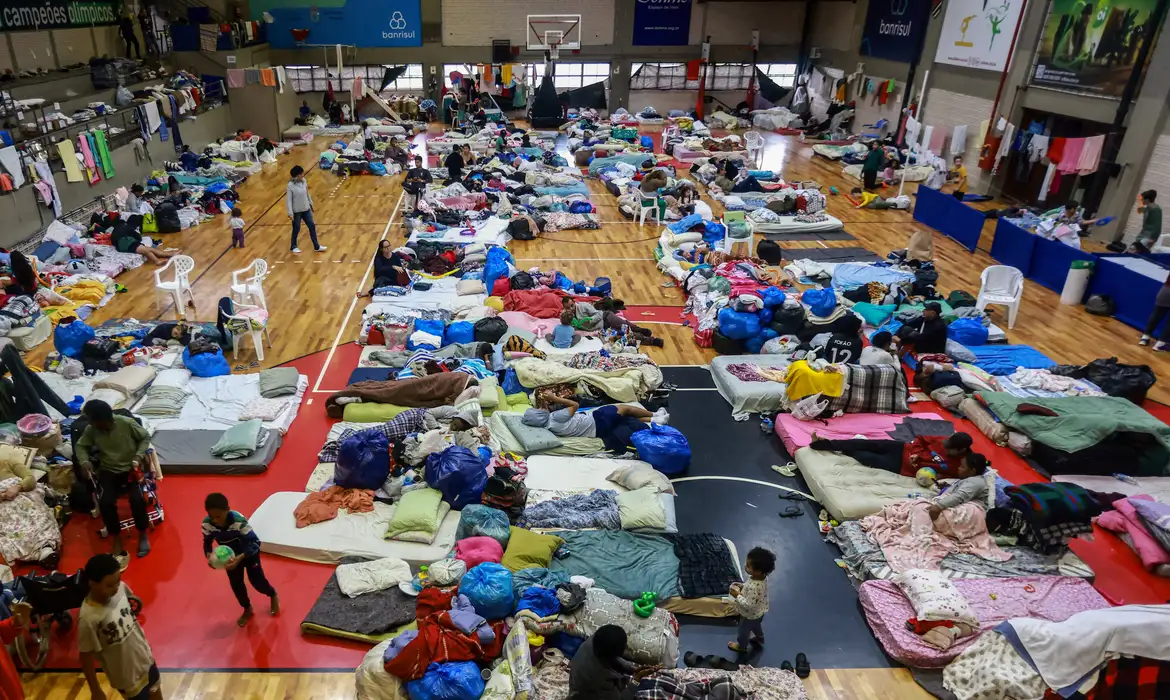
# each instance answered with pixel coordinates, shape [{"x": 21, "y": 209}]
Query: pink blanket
[
  {"x": 874, "y": 426},
  {"x": 539, "y": 326},
  {"x": 911, "y": 540},
  {"x": 1125, "y": 521},
  {"x": 1053, "y": 598}
]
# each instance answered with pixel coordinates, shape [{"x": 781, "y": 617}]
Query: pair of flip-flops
[
  {"x": 693, "y": 660},
  {"x": 801, "y": 669},
  {"x": 791, "y": 511}
]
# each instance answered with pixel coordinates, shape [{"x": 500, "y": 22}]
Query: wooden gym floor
[{"x": 312, "y": 306}]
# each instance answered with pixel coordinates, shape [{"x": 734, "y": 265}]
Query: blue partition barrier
[
  {"x": 1013, "y": 246},
  {"x": 949, "y": 216},
  {"x": 1051, "y": 261},
  {"x": 1132, "y": 292}
]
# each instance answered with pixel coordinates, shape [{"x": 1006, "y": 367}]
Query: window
[
  {"x": 660, "y": 76},
  {"x": 317, "y": 78},
  {"x": 783, "y": 73},
  {"x": 570, "y": 76},
  {"x": 720, "y": 76}
]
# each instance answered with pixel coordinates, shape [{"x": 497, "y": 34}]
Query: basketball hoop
[
  {"x": 299, "y": 36},
  {"x": 551, "y": 33}
]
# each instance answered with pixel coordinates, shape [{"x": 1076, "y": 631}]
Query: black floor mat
[
  {"x": 831, "y": 254},
  {"x": 696, "y": 377},
  {"x": 810, "y": 236},
  {"x": 813, "y": 605}
]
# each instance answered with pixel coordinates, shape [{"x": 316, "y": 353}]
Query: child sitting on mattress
[
  {"x": 970, "y": 488},
  {"x": 564, "y": 335},
  {"x": 224, "y": 526}
]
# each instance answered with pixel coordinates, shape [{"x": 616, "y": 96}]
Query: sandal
[
  {"x": 802, "y": 667},
  {"x": 791, "y": 512},
  {"x": 792, "y": 496},
  {"x": 786, "y": 470},
  {"x": 693, "y": 660}
]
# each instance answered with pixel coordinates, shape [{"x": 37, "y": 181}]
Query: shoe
[
  {"x": 802, "y": 667},
  {"x": 274, "y": 606},
  {"x": 786, "y": 665},
  {"x": 143, "y": 545},
  {"x": 296, "y": 251},
  {"x": 322, "y": 249},
  {"x": 692, "y": 660},
  {"x": 1145, "y": 340},
  {"x": 1161, "y": 347},
  {"x": 245, "y": 617}
]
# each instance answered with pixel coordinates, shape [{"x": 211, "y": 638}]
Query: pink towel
[
  {"x": 938, "y": 138},
  {"x": 1091, "y": 155},
  {"x": 1072, "y": 155},
  {"x": 235, "y": 77},
  {"x": 1125, "y": 521}
]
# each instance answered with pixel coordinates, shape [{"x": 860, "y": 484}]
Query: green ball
[{"x": 221, "y": 555}]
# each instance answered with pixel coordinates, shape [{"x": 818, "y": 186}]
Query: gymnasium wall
[{"x": 475, "y": 23}]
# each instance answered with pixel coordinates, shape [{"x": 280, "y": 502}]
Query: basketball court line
[{"x": 353, "y": 303}]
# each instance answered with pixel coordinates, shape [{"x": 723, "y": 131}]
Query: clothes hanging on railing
[
  {"x": 10, "y": 161},
  {"x": 47, "y": 186},
  {"x": 959, "y": 140},
  {"x": 281, "y": 78},
  {"x": 178, "y": 136},
  {"x": 938, "y": 139},
  {"x": 153, "y": 120},
  {"x": 1090, "y": 155},
  {"x": 103, "y": 148},
  {"x": 235, "y": 77},
  {"x": 69, "y": 159},
  {"x": 1038, "y": 148},
  {"x": 1071, "y": 156}
]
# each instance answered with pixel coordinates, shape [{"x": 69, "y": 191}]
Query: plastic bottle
[
  {"x": 1126, "y": 479},
  {"x": 765, "y": 425}
]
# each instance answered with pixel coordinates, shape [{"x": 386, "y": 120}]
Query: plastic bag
[
  {"x": 967, "y": 331},
  {"x": 496, "y": 265},
  {"x": 489, "y": 588},
  {"x": 765, "y": 315},
  {"x": 456, "y": 680},
  {"x": 480, "y": 520},
  {"x": 755, "y": 343},
  {"x": 540, "y": 600},
  {"x": 511, "y": 384},
  {"x": 435, "y": 328},
  {"x": 664, "y": 447},
  {"x": 820, "y": 302},
  {"x": 69, "y": 338},
  {"x": 713, "y": 231},
  {"x": 363, "y": 461},
  {"x": 772, "y": 296},
  {"x": 738, "y": 325},
  {"x": 810, "y": 407},
  {"x": 1115, "y": 379},
  {"x": 489, "y": 330},
  {"x": 459, "y": 332},
  {"x": 458, "y": 474},
  {"x": 206, "y": 364}
]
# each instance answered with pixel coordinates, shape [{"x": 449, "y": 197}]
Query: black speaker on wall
[{"x": 501, "y": 51}]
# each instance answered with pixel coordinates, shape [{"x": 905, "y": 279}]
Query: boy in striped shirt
[{"x": 224, "y": 526}]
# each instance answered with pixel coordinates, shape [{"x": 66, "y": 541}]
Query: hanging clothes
[
  {"x": 235, "y": 77},
  {"x": 1056, "y": 150},
  {"x": 97, "y": 159},
  {"x": 1090, "y": 155},
  {"x": 927, "y": 135},
  {"x": 1005, "y": 143},
  {"x": 281, "y": 78},
  {"x": 959, "y": 140},
  {"x": 103, "y": 148},
  {"x": 268, "y": 77},
  {"x": 48, "y": 186},
  {"x": 1038, "y": 148},
  {"x": 506, "y": 73},
  {"x": 1049, "y": 174},
  {"x": 913, "y": 126},
  {"x": 153, "y": 119},
  {"x": 163, "y": 133},
  {"x": 1072, "y": 155},
  {"x": 10, "y": 161},
  {"x": 69, "y": 158},
  {"x": 178, "y": 136},
  {"x": 938, "y": 139}
]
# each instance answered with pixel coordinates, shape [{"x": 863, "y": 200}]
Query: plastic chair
[
  {"x": 252, "y": 288},
  {"x": 879, "y": 128},
  {"x": 727, "y": 242},
  {"x": 1002, "y": 285},
  {"x": 248, "y": 320},
  {"x": 647, "y": 204},
  {"x": 181, "y": 284}
]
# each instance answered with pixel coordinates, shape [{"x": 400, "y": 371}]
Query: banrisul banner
[
  {"x": 1091, "y": 47},
  {"x": 894, "y": 29},
  {"x": 662, "y": 22},
  {"x": 56, "y": 14},
  {"x": 361, "y": 23}
]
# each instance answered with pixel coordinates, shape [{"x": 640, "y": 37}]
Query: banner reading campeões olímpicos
[
  {"x": 894, "y": 29},
  {"x": 56, "y": 14},
  {"x": 1091, "y": 47}
]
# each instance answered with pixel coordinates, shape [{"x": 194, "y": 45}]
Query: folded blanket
[
  {"x": 279, "y": 381},
  {"x": 264, "y": 409},
  {"x": 164, "y": 402},
  {"x": 238, "y": 441},
  {"x": 596, "y": 509}
]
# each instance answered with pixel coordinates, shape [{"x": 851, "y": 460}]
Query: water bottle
[
  {"x": 1127, "y": 479},
  {"x": 766, "y": 425}
]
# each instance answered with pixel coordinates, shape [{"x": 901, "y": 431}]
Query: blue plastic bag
[
  {"x": 664, "y": 447},
  {"x": 580, "y": 207},
  {"x": 765, "y": 315},
  {"x": 206, "y": 364},
  {"x": 489, "y": 588},
  {"x": 69, "y": 338},
  {"x": 602, "y": 287},
  {"x": 485, "y": 455},
  {"x": 820, "y": 302},
  {"x": 755, "y": 343},
  {"x": 458, "y": 474},
  {"x": 540, "y": 600},
  {"x": 511, "y": 384},
  {"x": 738, "y": 325},
  {"x": 363, "y": 461},
  {"x": 713, "y": 232},
  {"x": 455, "y": 680},
  {"x": 435, "y": 328},
  {"x": 773, "y": 296},
  {"x": 377, "y": 168},
  {"x": 685, "y": 224},
  {"x": 647, "y": 143},
  {"x": 496, "y": 266},
  {"x": 459, "y": 332},
  {"x": 892, "y": 328},
  {"x": 968, "y": 331},
  {"x": 563, "y": 282},
  {"x": 479, "y": 520}
]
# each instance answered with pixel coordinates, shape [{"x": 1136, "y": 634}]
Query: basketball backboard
[{"x": 554, "y": 32}]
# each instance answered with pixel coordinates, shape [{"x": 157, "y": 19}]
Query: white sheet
[
  {"x": 589, "y": 344},
  {"x": 573, "y": 474},
  {"x": 789, "y": 224},
  {"x": 216, "y": 403},
  {"x": 749, "y": 397},
  {"x": 489, "y": 231},
  {"x": 441, "y": 295},
  {"x": 1156, "y": 487},
  {"x": 357, "y": 535}
]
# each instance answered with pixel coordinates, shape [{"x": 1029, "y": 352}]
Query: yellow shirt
[
  {"x": 805, "y": 381},
  {"x": 866, "y": 198},
  {"x": 961, "y": 176}
]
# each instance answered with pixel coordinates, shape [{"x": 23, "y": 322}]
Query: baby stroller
[
  {"x": 147, "y": 482},
  {"x": 52, "y": 597}
]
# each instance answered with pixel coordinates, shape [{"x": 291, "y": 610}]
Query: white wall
[
  {"x": 832, "y": 26},
  {"x": 33, "y": 50},
  {"x": 476, "y": 23},
  {"x": 73, "y": 46},
  {"x": 950, "y": 109},
  {"x": 1156, "y": 177}
]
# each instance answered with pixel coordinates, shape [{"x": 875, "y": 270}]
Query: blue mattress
[{"x": 1006, "y": 359}]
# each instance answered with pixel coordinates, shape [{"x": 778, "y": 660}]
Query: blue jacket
[{"x": 237, "y": 534}]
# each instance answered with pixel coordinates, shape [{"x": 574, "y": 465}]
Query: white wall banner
[{"x": 978, "y": 33}]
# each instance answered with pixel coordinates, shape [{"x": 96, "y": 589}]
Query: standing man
[
  {"x": 299, "y": 205},
  {"x": 1151, "y": 213},
  {"x": 126, "y": 31}
]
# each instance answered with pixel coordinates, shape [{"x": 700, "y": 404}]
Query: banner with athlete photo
[
  {"x": 978, "y": 33},
  {"x": 1091, "y": 47}
]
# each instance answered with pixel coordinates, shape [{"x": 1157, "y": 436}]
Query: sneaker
[
  {"x": 322, "y": 249},
  {"x": 1161, "y": 347},
  {"x": 296, "y": 251},
  {"x": 1145, "y": 340}
]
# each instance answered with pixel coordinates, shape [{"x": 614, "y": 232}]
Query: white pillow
[
  {"x": 934, "y": 597},
  {"x": 370, "y": 576},
  {"x": 636, "y": 476},
  {"x": 642, "y": 509},
  {"x": 178, "y": 378}
]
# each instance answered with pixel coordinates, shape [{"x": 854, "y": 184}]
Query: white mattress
[
  {"x": 749, "y": 397},
  {"x": 356, "y": 535},
  {"x": 789, "y": 224},
  {"x": 216, "y": 402},
  {"x": 491, "y": 231},
  {"x": 589, "y": 344},
  {"x": 441, "y": 295},
  {"x": 849, "y": 490},
  {"x": 553, "y": 476}
]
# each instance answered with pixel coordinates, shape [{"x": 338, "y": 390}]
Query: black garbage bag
[
  {"x": 769, "y": 252},
  {"x": 788, "y": 321},
  {"x": 490, "y": 330},
  {"x": 1100, "y": 305},
  {"x": 1116, "y": 379}
]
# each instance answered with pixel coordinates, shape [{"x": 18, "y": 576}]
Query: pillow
[
  {"x": 529, "y": 550},
  {"x": 976, "y": 378},
  {"x": 463, "y": 287},
  {"x": 636, "y": 476},
  {"x": 489, "y": 395},
  {"x": 874, "y": 314},
  {"x": 518, "y": 402},
  {"x": 177, "y": 378},
  {"x": 642, "y": 509},
  {"x": 934, "y": 597},
  {"x": 371, "y": 412},
  {"x": 531, "y": 438},
  {"x": 959, "y": 352},
  {"x": 417, "y": 510},
  {"x": 476, "y": 550},
  {"x": 425, "y": 536}
]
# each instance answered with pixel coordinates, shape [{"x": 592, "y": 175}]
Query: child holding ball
[{"x": 224, "y": 526}]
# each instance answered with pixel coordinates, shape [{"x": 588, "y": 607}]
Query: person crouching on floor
[
  {"x": 224, "y": 526},
  {"x": 598, "y": 671},
  {"x": 970, "y": 488}
]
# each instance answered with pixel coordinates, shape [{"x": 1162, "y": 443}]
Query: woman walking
[{"x": 300, "y": 208}]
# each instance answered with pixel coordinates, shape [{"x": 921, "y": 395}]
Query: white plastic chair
[
  {"x": 1002, "y": 285},
  {"x": 647, "y": 204},
  {"x": 246, "y": 326},
  {"x": 177, "y": 287},
  {"x": 250, "y": 289},
  {"x": 753, "y": 141}
]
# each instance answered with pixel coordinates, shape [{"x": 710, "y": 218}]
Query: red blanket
[
  {"x": 440, "y": 641},
  {"x": 540, "y": 303}
]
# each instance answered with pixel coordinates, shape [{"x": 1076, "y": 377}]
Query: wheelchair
[
  {"x": 147, "y": 483},
  {"x": 52, "y": 597}
]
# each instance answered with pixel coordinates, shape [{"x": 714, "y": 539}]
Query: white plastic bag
[{"x": 809, "y": 408}]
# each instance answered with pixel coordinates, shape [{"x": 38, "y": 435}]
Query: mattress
[
  {"x": 489, "y": 232},
  {"x": 216, "y": 402},
  {"x": 441, "y": 295},
  {"x": 189, "y": 452},
  {"x": 571, "y": 446},
  {"x": 749, "y": 397},
  {"x": 796, "y": 434},
  {"x": 849, "y": 490},
  {"x": 1052, "y": 598},
  {"x": 1157, "y": 487},
  {"x": 347, "y": 535},
  {"x": 549, "y": 477},
  {"x": 590, "y": 344},
  {"x": 789, "y": 224},
  {"x": 1006, "y": 359}
]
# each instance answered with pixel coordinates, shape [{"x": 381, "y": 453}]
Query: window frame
[
  {"x": 309, "y": 78},
  {"x": 726, "y": 77}
]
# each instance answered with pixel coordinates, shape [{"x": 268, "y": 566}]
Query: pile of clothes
[{"x": 1044, "y": 516}]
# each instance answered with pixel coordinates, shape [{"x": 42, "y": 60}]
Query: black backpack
[
  {"x": 522, "y": 280},
  {"x": 489, "y": 330},
  {"x": 958, "y": 299},
  {"x": 769, "y": 252}
]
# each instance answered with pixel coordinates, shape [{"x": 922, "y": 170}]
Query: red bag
[
  {"x": 501, "y": 287},
  {"x": 375, "y": 336}
]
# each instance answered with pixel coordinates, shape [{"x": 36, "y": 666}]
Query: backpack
[
  {"x": 520, "y": 230},
  {"x": 769, "y": 252},
  {"x": 958, "y": 299},
  {"x": 522, "y": 280}
]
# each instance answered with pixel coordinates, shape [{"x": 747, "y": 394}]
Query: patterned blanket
[
  {"x": 595, "y": 509},
  {"x": 910, "y": 539},
  {"x": 705, "y": 567}
]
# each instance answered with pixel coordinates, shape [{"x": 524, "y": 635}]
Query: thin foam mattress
[
  {"x": 489, "y": 232},
  {"x": 217, "y": 402},
  {"x": 789, "y": 224},
  {"x": 189, "y": 452},
  {"x": 550, "y": 476},
  {"x": 347, "y": 535},
  {"x": 850, "y": 490},
  {"x": 749, "y": 397},
  {"x": 796, "y": 434}
]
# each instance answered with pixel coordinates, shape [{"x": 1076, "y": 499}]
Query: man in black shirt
[
  {"x": 844, "y": 346},
  {"x": 455, "y": 164},
  {"x": 417, "y": 179},
  {"x": 926, "y": 335}
]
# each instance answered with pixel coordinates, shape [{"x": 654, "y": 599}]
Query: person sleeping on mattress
[
  {"x": 943, "y": 455},
  {"x": 970, "y": 488},
  {"x": 614, "y": 424}
]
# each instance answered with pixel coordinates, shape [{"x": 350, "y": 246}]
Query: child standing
[
  {"x": 224, "y": 526},
  {"x": 107, "y": 631},
  {"x": 237, "y": 224},
  {"x": 751, "y": 599}
]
